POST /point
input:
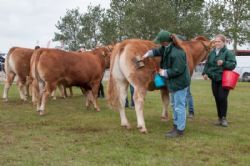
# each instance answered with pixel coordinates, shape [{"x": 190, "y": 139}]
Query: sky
[{"x": 26, "y": 23}]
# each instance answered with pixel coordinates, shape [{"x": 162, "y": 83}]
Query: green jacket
[
  {"x": 213, "y": 71},
  {"x": 174, "y": 60}
]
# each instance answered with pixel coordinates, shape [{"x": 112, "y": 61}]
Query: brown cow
[
  {"x": 35, "y": 89},
  {"x": 124, "y": 72},
  {"x": 17, "y": 63},
  {"x": 51, "y": 67}
]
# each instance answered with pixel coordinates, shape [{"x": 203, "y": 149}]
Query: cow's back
[
  {"x": 124, "y": 69},
  {"x": 68, "y": 68},
  {"x": 18, "y": 61}
]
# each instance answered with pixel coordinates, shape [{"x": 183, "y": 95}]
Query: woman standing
[{"x": 219, "y": 59}]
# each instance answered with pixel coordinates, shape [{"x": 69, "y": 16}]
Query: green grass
[{"x": 71, "y": 135}]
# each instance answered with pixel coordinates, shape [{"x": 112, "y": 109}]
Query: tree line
[{"x": 143, "y": 19}]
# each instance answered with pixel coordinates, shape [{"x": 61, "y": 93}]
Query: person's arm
[
  {"x": 205, "y": 68},
  {"x": 230, "y": 61},
  {"x": 206, "y": 65},
  {"x": 154, "y": 52}
]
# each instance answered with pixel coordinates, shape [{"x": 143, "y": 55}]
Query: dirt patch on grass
[{"x": 81, "y": 130}]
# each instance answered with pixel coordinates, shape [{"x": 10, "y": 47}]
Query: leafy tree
[
  {"x": 69, "y": 29},
  {"x": 90, "y": 31},
  {"x": 144, "y": 19},
  {"x": 188, "y": 17},
  {"x": 230, "y": 17},
  {"x": 109, "y": 30}
]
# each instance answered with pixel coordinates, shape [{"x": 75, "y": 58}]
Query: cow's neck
[
  {"x": 100, "y": 54},
  {"x": 202, "y": 55}
]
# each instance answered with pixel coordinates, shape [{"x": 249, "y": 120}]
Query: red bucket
[{"x": 229, "y": 79}]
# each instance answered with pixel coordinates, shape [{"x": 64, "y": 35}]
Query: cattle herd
[{"x": 42, "y": 70}]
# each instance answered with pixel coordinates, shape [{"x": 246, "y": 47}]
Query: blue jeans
[
  {"x": 131, "y": 96},
  {"x": 178, "y": 103},
  {"x": 189, "y": 101}
]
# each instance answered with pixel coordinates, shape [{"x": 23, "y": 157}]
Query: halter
[{"x": 207, "y": 49}]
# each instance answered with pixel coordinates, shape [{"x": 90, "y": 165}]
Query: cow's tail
[
  {"x": 177, "y": 41},
  {"x": 7, "y": 60},
  {"x": 35, "y": 73},
  {"x": 113, "y": 91}
]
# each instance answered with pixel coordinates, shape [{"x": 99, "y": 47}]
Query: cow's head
[{"x": 107, "y": 53}]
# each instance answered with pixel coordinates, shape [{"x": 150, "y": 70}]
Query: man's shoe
[
  {"x": 173, "y": 129},
  {"x": 191, "y": 115},
  {"x": 218, "y": 122},
  {"x": 175, "y": 133},
  {"x": 224, "y": 122}
]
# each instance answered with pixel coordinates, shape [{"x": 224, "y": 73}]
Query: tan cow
[
  {"x": 123, "y": 72},
  {"x": 17, "y": 63},
  {"x": 51, "y": 67}
]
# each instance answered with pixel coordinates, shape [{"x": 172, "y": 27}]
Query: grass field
[{"x": 71, "y": 135}]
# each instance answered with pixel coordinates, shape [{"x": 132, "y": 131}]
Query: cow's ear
[
  {"x": 212, "y": 44},
  {"x": 103, "y": 53}
]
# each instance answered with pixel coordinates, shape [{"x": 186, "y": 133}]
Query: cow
[
  {"x": 17, "y": 63},
  {"x": 51, "y": 67},
  {"x": 123, "y": 72}
]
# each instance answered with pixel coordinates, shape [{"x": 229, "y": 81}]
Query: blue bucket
[{"x": 159, "y": 81}]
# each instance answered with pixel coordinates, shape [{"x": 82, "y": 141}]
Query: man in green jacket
[
  {"x": 219, "y": 59},
  {"x": 174, "y": 68}
]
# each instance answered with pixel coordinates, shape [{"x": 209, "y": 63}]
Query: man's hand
[
  {"x": 219, "y": 62},
  {"x": 205, "y": 77},
  {"x": 147, "y": 54},
  {"x": 163, "y": 73}
]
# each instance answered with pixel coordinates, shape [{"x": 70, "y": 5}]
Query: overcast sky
[{"x": 24, "y": 22}]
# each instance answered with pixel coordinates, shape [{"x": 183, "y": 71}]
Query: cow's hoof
[
  {"x": 97, "y": 110},
  {"x": 143, "y": 130},
  {"x": 5, "y": 100},
  {"x": 41, "y": 112},
  {"x": 164, "y": 118},
  {"x": 139, "y": 127},
  {"x": 127, "y": 126}
]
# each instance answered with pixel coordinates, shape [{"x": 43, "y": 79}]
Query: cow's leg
[
  {"x": 165, "y": 103},
  {"x": 93, "y": 96},
  {"x": 70, "y": 91},
  {"x": 139, "y": 95},
  {"x": 8, "y": 83},
  {"x": 53, "y": 94},
  {"x": 21, "y": 86},
  {"x": 62, "y": 90},
  {"x": 122, "y": 88},
  {"x": 27, "y": 86},
  {"x": 47, "y": 91},
  {"x": 88, "y": 100},
  {"x": 41, "y": 86},
  {"x": 27, "y": 90},
  {"x": 34, "y": 91}
]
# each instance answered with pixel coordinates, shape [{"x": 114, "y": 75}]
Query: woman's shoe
[
  {"x": 218, "y": 122},
  {"x": 224, "y": 122}
]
